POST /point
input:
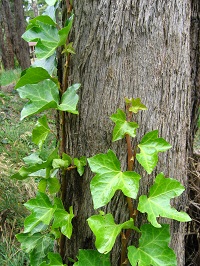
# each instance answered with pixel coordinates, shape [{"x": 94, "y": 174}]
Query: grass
[
  {"x": 10, "y": 76},
  {"x": 15, "y": 144}
]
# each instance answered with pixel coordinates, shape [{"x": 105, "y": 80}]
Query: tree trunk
[
  {"x": 35, "y": 8},
  {"x": 129, "y": 48},
  {"x": 21, "y": 46},
  {"x": 6, "y": 45}
]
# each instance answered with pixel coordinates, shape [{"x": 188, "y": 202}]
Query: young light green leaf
[
  {"x": 109, "y": 178},
  {"x": 53, "y": 185},
  {"x": 122, "y": 126},
  {"x": 55, "y": 260},
  {"x": 158, "y": 201},
  {"x": 44, "y": 18},
  {"x": 42, "y": 211},
  {"x": 69, "y": 49},
  {"x": 32, "y": 76},
  {"x": 69, "y": 99},
  {"x": 80, "y": 164},
  {"x": 136, "y": 105},
  {"x": 106, "y": 231},
  {"x": 63, "y": 219},
  {"x": 150, "y": 146},
  {"x": 153, "y": 248},
  {"x": 40, "y": 131},
  {"x": 42, "y": 96},
  {"x": 64, "y": 32},
  {"x": 42, "y": 186},
  {"x": 92, "y": 258}
]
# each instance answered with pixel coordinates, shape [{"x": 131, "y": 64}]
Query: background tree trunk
[
  {"x": 129, "y": 48},
  {"x": 21, "y": 46}
]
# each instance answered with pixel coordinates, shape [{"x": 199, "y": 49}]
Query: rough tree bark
[{"x": 129, "y": 48}]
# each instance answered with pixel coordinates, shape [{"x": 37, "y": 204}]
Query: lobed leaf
[
  {"x": 109, "y": 178},
  {"x": 158, "y": 201},
  {"x": 54, "y": 260},
  {"x": 40, "y": 131},
  {"x": 150, "y": 146},
  {"x": 153, "y": 248},
  {"x": 92, "y": 258},
  {"x": 136, "y": 105},
  {"x": 42, "y": 211},
  {"x": 106, "y": 231},
  {"x": 122, "y": 127},
  {"x": 80, "y": 164}
]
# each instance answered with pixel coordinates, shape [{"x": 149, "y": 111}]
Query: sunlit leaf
[
  {"x": 40, "y": 131},
  {"x": 109, "y": 178},
  {"x": 158, "y": 201},
  {"x": 136, "y": 105},
  {"x": 153, "y": 248},
  {"x": 122, "y": 127},
  {"x": 51, "y": 2},
  {"x": 49, "y": 64},
  {"x": 92, "y": 258},
  {"x": 54, "y": 260},
  {"x": 64, "y": 32},
  {"x": 106, "y": 231},
  {"x": 42, "y": 211},
  {"x": 150, "y": 146},
  {"x": 32, "y": 159}
]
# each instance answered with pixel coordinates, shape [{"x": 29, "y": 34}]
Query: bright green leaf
[
  {"x": 42, "y": 96},
  {"x": 109, "y": 179},
  {"x": 32, "y": 159},
  {"x": 106, "y": 231},
  {"x": 153, "y": 248},
  {"x": 42, "y": 211},
  {"x": 92, "y": 258},
  {"x": 150, "y": 146},
  {"x": 55, "y": 260},
  {"x": 122, "y": 126},
  {"x": 69, "y": 99},
  {"x": 29, "y": 242},
  {"x": 40, "y": 131},
  {"x": 136, "y": 105},
  {"x": 64, "y": 32},
  {"x": 158, "y": 201},
  {"x": 32, "y": 76},
  {"x": 42, "y": 185},
  {"x": 60, "y": 163},
  {"x": 63, "y": 219},
  {"x": 80, "y": 164},
  {"x": 53, "y": 185},
  {"x": 44, "y": 18}
]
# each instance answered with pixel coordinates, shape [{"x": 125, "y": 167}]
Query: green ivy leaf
[
  {"x": 109, "y": 179},
  {"x": 69, "y": 49},
  {"x": 106, "y": 231},
  {"x": 64, "y": 32},
  {"x": 32, "y": 159},
  {"x": 49, "y": 64},
  {"x": 55, "y": 260},
  {"x": 40, "y": 131},
  {"x": 51, "y": 183},
  {"x": 42, "y": 96},
  {"x": 153, "y": 248},
  {"x": 158, "y": 201},
  {"x": 150, "y": 146},
  {"x": 122, "y": 126},
  {"x": 29, "y": 242},
  {"x": 92, "y": 258},
  {"x": 80, "y": 164},
  {"x": 51, "y": 2},
  {"x": 136, "y": 105},
  {"x": 44, "y": 18},
  {"x": 69, "y": 99},
  {"x": 42, "y": 211},
  {"x": 63, "y": 219},
  {"x": 32, "y": 76}
]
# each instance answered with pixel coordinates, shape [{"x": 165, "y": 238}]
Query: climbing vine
[{"x": 48, "y": 220}]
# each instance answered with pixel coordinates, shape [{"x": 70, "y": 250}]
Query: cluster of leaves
[
  {"x": 153, "y": 246},
  {"x": 48, "y": 218}
]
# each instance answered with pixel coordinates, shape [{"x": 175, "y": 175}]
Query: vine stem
[
  {"x": 63, "y": 138},
  {"x": 132, "y": 212}
]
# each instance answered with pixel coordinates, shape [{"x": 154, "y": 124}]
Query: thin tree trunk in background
[
  {"x": 21, "y": 46},
  {"x": 129, "y": 48},
  {"x": 6, "y": 36},
  {"x": 35, "y": 8}
]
